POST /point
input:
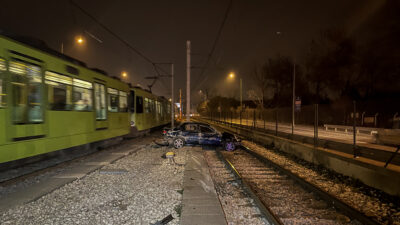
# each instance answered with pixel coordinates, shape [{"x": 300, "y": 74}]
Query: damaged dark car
[{"x": 194, "y": 133}]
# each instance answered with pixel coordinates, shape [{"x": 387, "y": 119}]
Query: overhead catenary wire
[
  {"x": 228, "y": 9},
  {"x": 117, "y": 37}
]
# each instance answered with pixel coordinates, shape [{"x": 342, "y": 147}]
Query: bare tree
[
  {"x": 256, "y": 98},
  {"x": 260, "y": 78}
]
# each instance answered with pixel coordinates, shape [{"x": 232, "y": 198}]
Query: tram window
[
  {"x": 147, "y": 105},
  {"x": 82, "y": 95},
  {"x": 112, "y": 100},
  {"x": 151, "y": 106},
  {"x": 123, "y": 104},
  {"x": 27, "y": 92},
  {"x": 2, "y": 84},
  {"x": 139, "y": 104},
  {"x": 100, "y": 101},
  {"x": 158, "y": 107},
  {"x": 132, "y": 101},
  {"x": 59, "y": 91},
  {"x": 35, "y": 94}
]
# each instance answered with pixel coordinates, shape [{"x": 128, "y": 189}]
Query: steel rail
[
  {"x": 265, "y": 210},
  {"x": 328, "y": 198},
  {"x": 74, "y": 158}
]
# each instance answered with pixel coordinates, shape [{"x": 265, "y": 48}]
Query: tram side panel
[{"x": 30, "y": 126}]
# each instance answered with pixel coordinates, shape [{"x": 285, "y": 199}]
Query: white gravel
[
  {"x": 145, "y": 194},
  {"x": 371, "y": 206}
]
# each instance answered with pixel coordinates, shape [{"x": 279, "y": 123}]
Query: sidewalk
[{"x": 201, "y": 205}]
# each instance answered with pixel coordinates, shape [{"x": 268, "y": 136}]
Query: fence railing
[{"x": 317, "y": 122}]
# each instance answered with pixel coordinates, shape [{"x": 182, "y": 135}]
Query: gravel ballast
[
  {"x": 238, "y": 208},
  {"x": 141, "y": 188},
  {"x": 344, "y": 188}
]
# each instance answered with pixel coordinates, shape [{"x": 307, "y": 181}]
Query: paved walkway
[{"x": 201, "y": 205}]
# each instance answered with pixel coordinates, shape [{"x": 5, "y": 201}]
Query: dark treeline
[{"x": 339, "y": 67}]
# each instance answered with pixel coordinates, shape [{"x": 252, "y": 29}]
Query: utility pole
[
  {"x": 188, "y": 81},
  {"x": 241, "y": 95},
  {"x": 294, "y": 95},
  {"x": 62, "y": 47},
  {"x": 180, "y": 104},
  {"x": 172, "y": 97}
]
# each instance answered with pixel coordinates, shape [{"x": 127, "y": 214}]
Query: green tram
[
  {"x": 50, "y": 102},
  {"x": 147, "y": 111}
]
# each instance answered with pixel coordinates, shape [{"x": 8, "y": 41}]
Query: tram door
[
  {"x": 27, "y": 98},
  {"x": 100, "y": 106}
]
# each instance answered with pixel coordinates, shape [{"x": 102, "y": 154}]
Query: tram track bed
[
  {"x": 283, "y": 197},
  {"x": 24, "y": 175},
  {"x": 141, "y": 187},
  {"x": 238, "y": 207},
  {"x": 372, "y": 204}
]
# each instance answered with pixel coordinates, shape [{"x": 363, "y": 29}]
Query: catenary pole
[
  {"x": 172, "y": 97},
  {"x": 180, "y": 104},
  {"x": 241, "y": 95},
  {"x": 294, "y": 95},
  {"x": 188, "y": 80}
]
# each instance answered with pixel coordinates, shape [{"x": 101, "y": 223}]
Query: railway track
[
  {"x": 52, "y": 165},
  {"x": 283, "y": 197}
]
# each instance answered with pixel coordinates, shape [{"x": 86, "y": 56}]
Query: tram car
[
  {"x": 148, "y": 111},
  {"x": 50, "y": 102}
]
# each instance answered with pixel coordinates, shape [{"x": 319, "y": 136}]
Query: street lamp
[
  {"x": 232, "y": 76},
  {"x": 124, "y": 74},
  {"x": 79, "y": 40}
]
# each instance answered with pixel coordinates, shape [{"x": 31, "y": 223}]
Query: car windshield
[
  {"x": 204, "y": 129},
  {"x": 190, "y": 127}
]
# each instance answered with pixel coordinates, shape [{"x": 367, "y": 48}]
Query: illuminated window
[
  {"x": 59, "y": 89},
  {"x": 158, "y": 107},
  {"x": 161, "y": 110},
  {"x": 123, "y": 102},
  {"x": 152, "y": 107},
  {"x": 26, "y": 83},
  {"x": 100, "y": 101},
  {"x": 82, "y": 95},
  {"x": 146, "y": 105},
  {"x": 2, "y": 65},
  {"x": 112, "y": 100},
  {"x": 3, "y": 92}
]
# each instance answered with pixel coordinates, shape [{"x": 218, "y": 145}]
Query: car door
[
  {"x": 191, "y": 133},
  {"x": 209, "y": 136}
]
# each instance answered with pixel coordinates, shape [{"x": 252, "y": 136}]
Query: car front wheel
[
  {"x": 230, "y": 146},
  {"x": 178, "y": 143}
]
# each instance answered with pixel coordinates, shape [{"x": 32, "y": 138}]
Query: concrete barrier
[{"x": 389, "y": 137}]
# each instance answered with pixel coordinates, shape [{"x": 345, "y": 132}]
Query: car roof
[{"x": 197, "y": 123}]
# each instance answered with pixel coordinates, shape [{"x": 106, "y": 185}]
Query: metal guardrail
[
  {"x": 364, "y": 151},
  {"x": 346, "y": 129}
]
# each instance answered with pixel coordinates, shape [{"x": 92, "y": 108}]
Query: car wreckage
[{"x": 195, "y": 133}]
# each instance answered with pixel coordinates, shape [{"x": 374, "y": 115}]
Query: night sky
[{"x": 254, "y": 31}]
